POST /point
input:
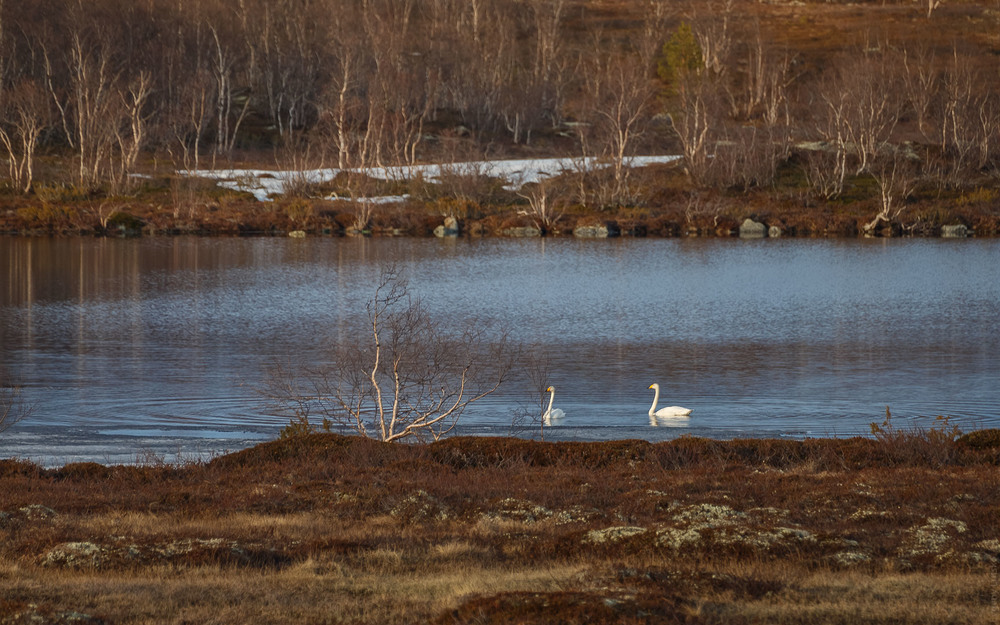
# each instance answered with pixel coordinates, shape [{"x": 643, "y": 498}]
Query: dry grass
[
  {"x": 381, "y": 588},
  {"x": 327, "y": 528}
]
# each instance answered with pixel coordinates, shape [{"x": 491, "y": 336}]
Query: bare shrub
[
  {"x": 618, "y": 111},
  {"x": 749, "y": 157},
  {"x": 24, "y": 116},
  {"x": 896, "y": 178},
  {"x": 914, "y": 445},
  {"x": 411, "y": 380},
  {"x": 546, "y": 202},
  {"x": 825, "y": 170}
]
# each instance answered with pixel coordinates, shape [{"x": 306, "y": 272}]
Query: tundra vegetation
[
  {"x": 897, "y": 528},
  {"x": 835, "y": 118}
]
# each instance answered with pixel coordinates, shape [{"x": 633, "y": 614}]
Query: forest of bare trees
[{"x": 112, "y": 85}]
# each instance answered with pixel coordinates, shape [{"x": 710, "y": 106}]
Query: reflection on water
[{"x": 766, "y": 337}]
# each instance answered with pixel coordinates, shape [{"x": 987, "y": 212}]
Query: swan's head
[
  {"x": 551, "y": 389},
  {"x": 654, "y": 385}
]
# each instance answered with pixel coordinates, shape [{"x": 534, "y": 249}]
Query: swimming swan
[
  {"x": 669, "y": 411},
  {"x": 551, "y": 414}
]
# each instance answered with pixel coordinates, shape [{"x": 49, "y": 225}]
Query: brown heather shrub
[
  {"x": 10, "y": 467},
  {"x": 981, "y": 440},
  {"x": 565, "y": 608},
  {"x": 83, "y": 471}
]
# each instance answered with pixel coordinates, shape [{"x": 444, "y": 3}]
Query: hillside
[{"x": 818, "y": 118}]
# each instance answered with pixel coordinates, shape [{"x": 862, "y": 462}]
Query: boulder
[
  {"x": 448, "y": 229},
  {"x": 600, "y": 230},
  {"x": 591, "y": 232},
  {"x": 751, "y": 229},
  {"x": 957, "y": 231}
]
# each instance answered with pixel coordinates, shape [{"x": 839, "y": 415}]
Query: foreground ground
[{"x": 322, "y": 528}]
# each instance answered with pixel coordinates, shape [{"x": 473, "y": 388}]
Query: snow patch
[{"x": 265, "y": 184}]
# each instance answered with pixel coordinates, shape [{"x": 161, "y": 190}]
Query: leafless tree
[
  {"x": 188, "y": 117},
  {"x": 86, "y": 103},
  {"x": 701, "y": 206},
  {"x": 288, "y": 53},
  {"x": 694, "y": 116},
  {"x": 968, "y": 118},
  {"x": 714, "y": 33},
  {"x": 619, "y": 107},
  {"x": 867, "y": 97},
  {"x": 860, "y": 107},
  {"x": 225, "y": 51},
  {"x": 748, "y": 156},
  {"x": 546, "y": 204},
  {"x": 896, "y": 177},
  {"x": 410, "y": 380},
  {"x": 131, "y": 131},
  {"x": 921, "y": 81},
  {"x": 762, "y": 92},
  {"x": 657, "y": 14},
  {"x": 548, "y": 63},
  {"x": 24, "y": 115},
  {"x": 826, "y": 169}
]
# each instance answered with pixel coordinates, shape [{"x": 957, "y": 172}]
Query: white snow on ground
[{"x": 265, "y": 184}]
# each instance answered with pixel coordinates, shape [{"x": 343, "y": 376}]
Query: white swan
[
  {"x": 668, "y": 411},
  {"x": 551, "y": 413}
]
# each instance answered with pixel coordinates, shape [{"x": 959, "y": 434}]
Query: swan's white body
[
  {"x": 667, "y": 412},
  {"x": 551, "y": 413}
]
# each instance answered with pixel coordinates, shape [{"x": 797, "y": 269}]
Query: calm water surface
[{"x": 120, "y": 343}]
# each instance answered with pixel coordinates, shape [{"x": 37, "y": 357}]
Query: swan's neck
[
  {"x": 552, "y": 398},
  {"x": 656, "y": 398}
]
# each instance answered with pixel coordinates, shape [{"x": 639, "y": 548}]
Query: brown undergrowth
[{"x": 327, "y": 528}]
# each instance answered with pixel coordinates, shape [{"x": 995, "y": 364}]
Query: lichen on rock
[{"x": 613, "y": 534}]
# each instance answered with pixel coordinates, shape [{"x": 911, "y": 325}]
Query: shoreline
[{"x": 255, "y": 202}]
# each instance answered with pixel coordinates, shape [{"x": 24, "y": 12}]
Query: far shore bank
[{"x": 504, "y": 198}]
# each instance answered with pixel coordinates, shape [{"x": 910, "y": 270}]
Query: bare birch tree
[
  {"x": 896, "y": 178},
  {"x": 86, "y": 102},
  {"x": 921, "y": 82},
  {"x": 546, "y": 203},
  {"x": 714, "y": 34},
  {"x": 619, "y": 109},
  {"x": 693, "y": 117},
  {"x": 862, "y": 105},
  {"x": 409, "y": 379},
  {"x": 24, "y": 115},
  {"x": 968, "y": 118}
]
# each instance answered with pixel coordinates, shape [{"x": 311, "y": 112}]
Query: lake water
[{"x": 159, "y": 346}]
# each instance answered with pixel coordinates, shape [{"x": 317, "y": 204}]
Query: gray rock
[
  {"x": 958, "y": 231},
  {"x": 774, "y": 232},
  {"x": 591, "y": 232},
  {"x": 448, "y": 229},
  {"x": 36, "y": 512},
  {"x": 751, "y": 229}
]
